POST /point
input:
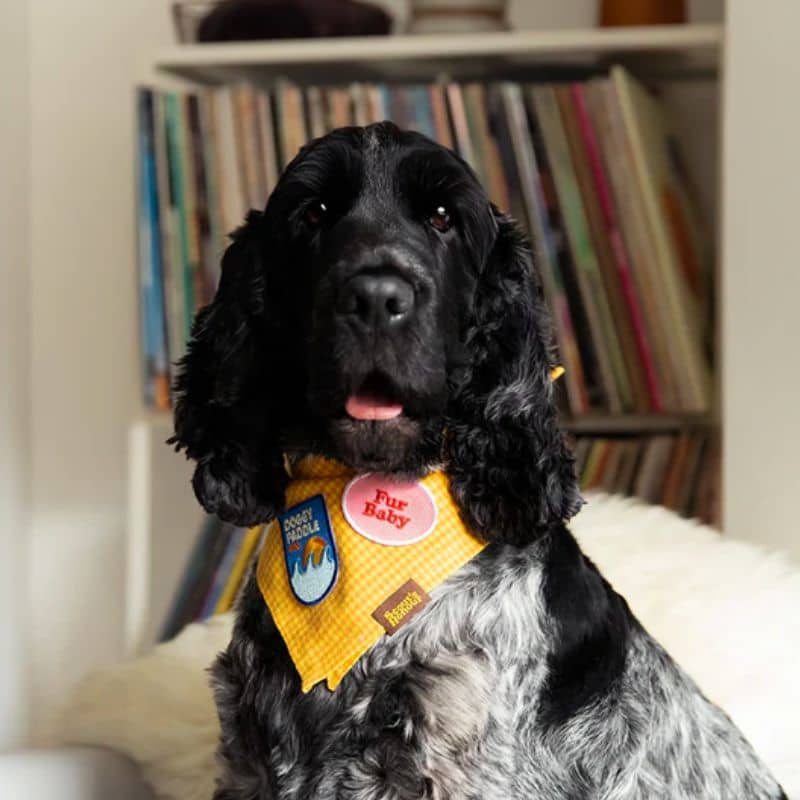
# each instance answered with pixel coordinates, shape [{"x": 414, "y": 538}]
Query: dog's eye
[
  {"x": 440, "y": 219},
  {"x": 314, "y": 213}
]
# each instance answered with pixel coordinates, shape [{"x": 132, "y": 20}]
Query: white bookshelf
[
  {"x": 672, "y": 48},
  {"x": 672, "y": 53}
]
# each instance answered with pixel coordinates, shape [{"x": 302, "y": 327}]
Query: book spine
[
  {"x": 670, "y": 490},
  {"x": 293, "y": 125},
  {"x": 652, "y": 472},
  {"x": 143, "y": 251},
  {"x": 339, "y": 108},
  {"x": 360, "y": 103},
  {"x": 243, "y": 557},
  {"x": 208, "y": 138},
  {"x": 213, "y": 554},
  {"x": 617, "y": 247},
  {"x": 194, "y": 289},
  {"x": 611, "y": 307},
  {"x": 214, "y": 241},
  {"x": 470, "y": 93},
  {"x": 400, "y": 110},
  {"x": 587, "y": 345},
  {"x": 609, "y": 353},
  {"x": 591, "y": 470},
  {"x": 423, "y": 113},
  {"x": 607, "y": 117},
  {"x": 608, "y": 480},
  {"x": 527, "y": 169},
  {"x": 179, "y": 610},
  {"x": 377, "y": 109},
  {"x": 500, "y": 125},
  {"x": 232, "y": 193},
  {"x": 458, "y": 114},
  {"x": 170, "y": 246},
  {"x": 495, "y": 180},
  {"x": 266, "y": 137},
  {"x": 441, "y": 119},
  {"x": 176, "y": 145},
  {"x": 642, "y": 128},
  {"x": 152, "y": 316},
  {"x": 251, "y": 169},
  {"x": 199, "y": 214},
  {"x": 316, "y": 112},
  {"x": 251, "y": 567},
  {"x": 221, "y": 573}
]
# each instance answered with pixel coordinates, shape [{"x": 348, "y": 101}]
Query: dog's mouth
[
  {"x": 376, "y": 400},
  {"x": 384, "y": 425}
]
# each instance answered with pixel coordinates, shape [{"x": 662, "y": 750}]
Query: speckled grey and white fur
[
  {"x": 451, "y": 708},
  {"x": 527, "y": 677}
]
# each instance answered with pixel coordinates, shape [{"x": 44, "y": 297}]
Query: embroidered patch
[
  {"x": 401, "y": 606},
  {"x": 310, "y": 550},
  {"x": 389, "y": 512}
]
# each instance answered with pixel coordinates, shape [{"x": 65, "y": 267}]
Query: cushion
[{"x": 726, "y": 610}]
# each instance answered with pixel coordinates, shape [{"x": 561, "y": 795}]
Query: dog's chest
[
  {"x": 467, "y": 702},
  {"x": 433, "y": 712},
  {"x": 440, "y": 730}
]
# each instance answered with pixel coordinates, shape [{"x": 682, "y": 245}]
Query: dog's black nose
[{"x": 378, "y": 299}]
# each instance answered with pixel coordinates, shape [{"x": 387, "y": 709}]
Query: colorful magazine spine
[
  {"x": 645, "y": 131},
  {"x": 176, "y": 151},
  {"x": 206, "y": 253},
  {"x": 617, "y": 247},
  {"x": 247, "y": 548},
  {"x": 423, "y": 113},
  {"x": 612, "y": 366},
  {"x": 607, "y": 117},
  {"x": 441, "y": 120},
  {"x": 152, "y": 315},
  {"x": 222, "y": 573},
  {"x": 179, "y": 612},
  {"x": 458, "y": 114},
  {"x": 545, "y": 249},
  {"x": 170, "y": 246}
]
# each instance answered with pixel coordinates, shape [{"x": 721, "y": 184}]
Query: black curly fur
[
  {"x": 510, "y": 470},
  {"x": 219, "y": 422}
]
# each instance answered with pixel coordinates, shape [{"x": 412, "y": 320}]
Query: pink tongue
[{"x": 364, "y": 406}]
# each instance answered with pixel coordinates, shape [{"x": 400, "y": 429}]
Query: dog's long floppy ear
[
  {"x": 222, "y": 414},
  {"x": 511, "y": 472}
]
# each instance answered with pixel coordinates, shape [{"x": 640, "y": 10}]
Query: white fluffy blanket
[{"x": 727, "y": 611}]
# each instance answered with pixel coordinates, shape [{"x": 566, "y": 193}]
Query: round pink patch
[{"x": 388, "y": 512}]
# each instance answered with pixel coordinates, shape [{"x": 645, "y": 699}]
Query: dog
[{"x": 381, "y": 312}]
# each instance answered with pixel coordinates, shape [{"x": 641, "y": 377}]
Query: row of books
[
  {"x": 589, "y": 168},
  {"x": 214, "y": 574},
  {"x": 680, "y": 471}
]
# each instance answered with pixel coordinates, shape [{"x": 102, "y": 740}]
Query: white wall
[
  {"x": 85, "y": 375},
  {"x": 14, "y": 375},
  {"x": 761, "y": 323}
]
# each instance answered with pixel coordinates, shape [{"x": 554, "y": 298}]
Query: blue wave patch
[{"x": 309, "y": 547}]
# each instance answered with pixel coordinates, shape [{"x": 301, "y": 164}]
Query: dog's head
[{"x": 379, "y": 311}]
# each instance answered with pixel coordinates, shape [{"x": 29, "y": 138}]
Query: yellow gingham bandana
[{"x": 378, "y": 587}]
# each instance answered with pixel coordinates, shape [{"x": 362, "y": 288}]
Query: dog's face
[
  {"x": 381, "y": 312},
  {"x": 386, "y": 233}
]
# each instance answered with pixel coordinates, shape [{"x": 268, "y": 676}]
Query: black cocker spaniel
[{"x": 382, "y": 313}]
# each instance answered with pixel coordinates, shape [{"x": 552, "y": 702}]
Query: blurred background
[{"x": 653, "y": 157}]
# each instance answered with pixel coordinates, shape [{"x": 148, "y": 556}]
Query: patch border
[
  {"x": 371, "y": 538},
  {"x": 333, "y": 545}
]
